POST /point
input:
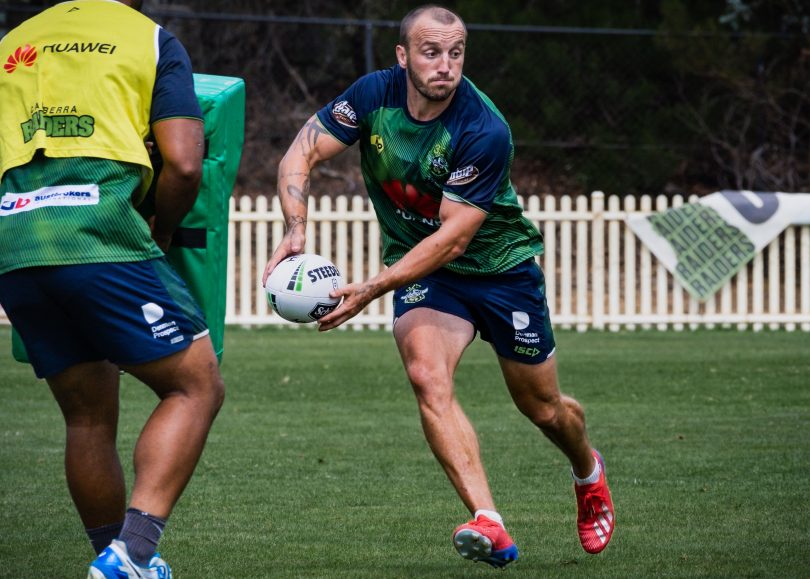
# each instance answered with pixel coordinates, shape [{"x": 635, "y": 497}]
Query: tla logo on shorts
[{"x": 23, "y": 55}]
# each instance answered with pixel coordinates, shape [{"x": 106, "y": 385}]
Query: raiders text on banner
[{"x": 704, "y": 244}]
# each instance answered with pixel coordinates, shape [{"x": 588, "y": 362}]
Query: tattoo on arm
[
  {"x": 295, "y": 220},
  {"x": 305, "y": 140},
  {"x": 299, "y": 195},
  {"x": 308, "y": 135}
]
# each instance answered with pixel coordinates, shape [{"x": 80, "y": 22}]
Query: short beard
[{"x": 435, "y": 95}]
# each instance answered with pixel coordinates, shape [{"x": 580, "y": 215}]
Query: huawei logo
[{"x": 23, "y": 55}]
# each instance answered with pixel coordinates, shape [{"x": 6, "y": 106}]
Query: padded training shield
[{"x": 199, "y": 250}]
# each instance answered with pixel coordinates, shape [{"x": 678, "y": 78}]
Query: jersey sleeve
[
  {"x": 173, "y": 95},
  {"x": 343, "y": 117},
  {"x": 480, "y": 165}
]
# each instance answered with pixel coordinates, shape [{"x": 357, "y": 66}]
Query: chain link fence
[{"x": 622, "y": 111}]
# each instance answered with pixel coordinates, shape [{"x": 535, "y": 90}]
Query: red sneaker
[
  {"x": 485, "y": 540},
  {"x": 595, "y": 516}
]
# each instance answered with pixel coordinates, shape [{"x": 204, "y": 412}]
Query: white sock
[
  {"x": 594, "y": 476},
  {"x": 492, "y": 515}
]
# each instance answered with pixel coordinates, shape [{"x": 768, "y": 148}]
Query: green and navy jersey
[
  {"x": 72, "y": 211},
  {"x": 465, "y": 154}
]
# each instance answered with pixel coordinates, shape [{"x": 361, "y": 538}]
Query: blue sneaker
[
  {"x": 114, "y": 563},
  {"x": 163, "y": 570}
]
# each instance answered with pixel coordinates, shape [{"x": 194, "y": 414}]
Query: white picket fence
[{"x": 598, "y": 274}]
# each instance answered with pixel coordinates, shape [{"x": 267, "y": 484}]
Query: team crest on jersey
[
  {"x": 463, "y": 176},
  {"x": 438, "y": 163},
  {"x": 344, "y": 114},
  {"x": 414, "y": 294}
]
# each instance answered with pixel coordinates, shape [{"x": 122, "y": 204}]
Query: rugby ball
[{"x": 298, "y": 288}]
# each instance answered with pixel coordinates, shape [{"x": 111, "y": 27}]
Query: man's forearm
[{"x": 175, "y": 195}]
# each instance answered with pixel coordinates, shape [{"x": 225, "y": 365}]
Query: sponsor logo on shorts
[
  {"x": 61, "y": 196},
  {"x": 166, "y": 329},
  {"x": 463, "y": 176},
  {"x": 527, "y": 351},
  {"x": 344, "y": 114},
  {"x": 153, "y": 313},
  {"x": 414, "y": 294},
  {"x": 524, "y": 340},
  {"x": 520, "y": 320},
  {"x": 527, "y": 337}
]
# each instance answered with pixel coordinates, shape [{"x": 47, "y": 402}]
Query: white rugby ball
[{"x": 298, "y": 288}]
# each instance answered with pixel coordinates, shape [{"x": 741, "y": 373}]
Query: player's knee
[
  {"x": 434, "y": 393},
  {"x": 205, "y": 380},
  {"x": 422, "y": 376},
  {"x": 217, "y": 394},
  {"x": 208, "y": 389}
]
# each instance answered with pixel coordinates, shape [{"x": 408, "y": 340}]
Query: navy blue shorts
[
  {"x": 508, "y": 309},
  {"x": 127, "y": 313}
]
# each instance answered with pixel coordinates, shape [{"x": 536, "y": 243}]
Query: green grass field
[{"x": 316, "y": 466}]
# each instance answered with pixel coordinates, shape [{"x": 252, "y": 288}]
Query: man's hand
[
  {"x": 356, "y": 296},
  {"x": 162, "y": 241},
  {"x": 293, "y": 243}
]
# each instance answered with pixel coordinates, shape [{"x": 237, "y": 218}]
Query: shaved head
[{"x": 438, "y": 13}]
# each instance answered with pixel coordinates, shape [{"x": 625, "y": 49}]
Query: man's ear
[{"x": 402, "y": 56}]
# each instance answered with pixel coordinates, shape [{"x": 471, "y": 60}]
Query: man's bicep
[
  {"x": 460, "y": 219},
  {"x": 181, "y": 141},
  {"x": 315, "y": 143}
]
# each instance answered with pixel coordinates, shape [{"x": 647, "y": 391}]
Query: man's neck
[{"x": 423, "y": 109}]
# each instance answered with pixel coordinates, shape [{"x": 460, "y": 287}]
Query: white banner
[{"x": 704, "y": 244}]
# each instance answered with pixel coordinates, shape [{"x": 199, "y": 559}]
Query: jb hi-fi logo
[{"x": 24, "y": 55}]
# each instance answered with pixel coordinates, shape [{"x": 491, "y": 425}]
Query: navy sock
[
  {"x": 141, "y": 532},
  {"x": 100, "y": 537}
]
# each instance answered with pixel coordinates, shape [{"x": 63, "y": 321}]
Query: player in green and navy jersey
[
  {"x": 83, "y": 278},
  {"x": 409, "y": 166},
  {"x": 436, "y": 156}
]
